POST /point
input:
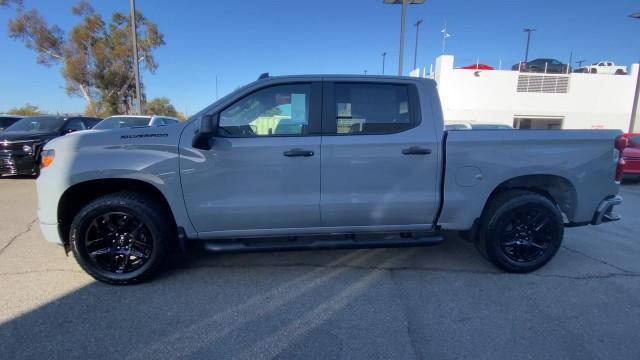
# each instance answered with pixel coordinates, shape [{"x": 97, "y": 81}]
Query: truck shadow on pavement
[
  {"x": 380, "y": 303},
  {"x": 241, "y": 305}
]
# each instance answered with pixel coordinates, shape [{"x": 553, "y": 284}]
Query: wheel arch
[
  {"x": 77, "y": 196},
  {"x": 556, "y": 188}
]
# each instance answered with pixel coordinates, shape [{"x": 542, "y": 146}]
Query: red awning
[{"x": 478, "y": 67}]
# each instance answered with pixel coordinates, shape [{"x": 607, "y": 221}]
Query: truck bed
[{"x": 574, "y": 161}]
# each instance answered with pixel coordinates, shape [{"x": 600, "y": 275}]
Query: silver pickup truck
[{"x": 321, "y": 162}]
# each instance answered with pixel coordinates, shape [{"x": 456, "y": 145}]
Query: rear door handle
[
  {"x": 298, "y": 152},
  {"x": 416, "y": 150}
]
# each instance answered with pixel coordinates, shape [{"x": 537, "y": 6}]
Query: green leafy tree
[
  {"x": 160, "y": 106},
  {"x": 96, "y": 56},
  {"x": 26, "y": 110}
]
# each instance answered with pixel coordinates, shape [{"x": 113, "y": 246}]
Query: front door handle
[
  {"x": 298, "y": 152},
  {"x": 416, "y": 150}
]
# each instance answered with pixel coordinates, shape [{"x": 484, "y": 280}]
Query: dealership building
[{"x": 534, "y": 100}]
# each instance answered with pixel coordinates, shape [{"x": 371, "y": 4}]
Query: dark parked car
[
  {"x": 551, "y": 66},
  {"x": 8, "y": 120},
  {"x": 21, "y": 143}
]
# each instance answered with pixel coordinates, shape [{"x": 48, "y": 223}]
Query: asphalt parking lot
[{"x": 441, "y": 302}]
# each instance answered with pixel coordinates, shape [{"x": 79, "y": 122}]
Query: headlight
[
  {"x": 46, "y": 158},
  {"x": 27, "y": 149}
]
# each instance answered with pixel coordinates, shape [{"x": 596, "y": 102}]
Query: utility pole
[
  {"x": 384, "y": 54},
  {"x": 403, "y": 16},
  {"x": 365, "y": 73},
  {"x": 415, "y": 52},
  {"x": 580, "y": 62},
  {"x": 528, "y": 31},
  {"x": 136, "y": 67},
  {"x": 402, "y": 21},
  {"x": 634, "y": 111}
]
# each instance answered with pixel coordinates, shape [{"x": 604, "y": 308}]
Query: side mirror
[{"x": 207, "y": 128}]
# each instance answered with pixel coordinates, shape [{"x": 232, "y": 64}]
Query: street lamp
[
  {"x": 403, "y": 15},
  {"x": 415, "y": 51},
  {"x": 634, "y": 111},
  {"x": 528, "y": 31},
  {"x": 384, "y": 55}
]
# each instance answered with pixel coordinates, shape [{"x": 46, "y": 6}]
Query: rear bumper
[{"x": 605, "y": 212}]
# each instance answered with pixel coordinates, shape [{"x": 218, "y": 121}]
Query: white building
[{"x": 536, "y": 101}]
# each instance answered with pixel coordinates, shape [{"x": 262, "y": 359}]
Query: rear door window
[{"x": 371, "y": 108}]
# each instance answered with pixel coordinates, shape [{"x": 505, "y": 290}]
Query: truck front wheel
[
  {"x": 121, "y": 238},
  {"x": 520, "y": 231}
]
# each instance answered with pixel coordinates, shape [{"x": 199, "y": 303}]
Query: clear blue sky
[{"x": 238, "y": 40}]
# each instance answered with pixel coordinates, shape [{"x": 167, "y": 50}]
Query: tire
[
  {"x": 520, "y": 231},
  {"x": 593, "y": 71},
  {"x": 122, "y": 238},
  {"x": 620, "y": 72}
]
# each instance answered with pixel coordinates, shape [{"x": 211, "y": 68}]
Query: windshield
[
  {"x": 116, "y": 122},
  {"x": 37, "y": 124}
]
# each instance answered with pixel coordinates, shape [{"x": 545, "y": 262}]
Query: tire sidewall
[
  {"x": 498, "y": 220},
  {"x": 101, "y": 206}
]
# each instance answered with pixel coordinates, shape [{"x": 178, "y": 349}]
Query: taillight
[{"x": 620, "y": 144}]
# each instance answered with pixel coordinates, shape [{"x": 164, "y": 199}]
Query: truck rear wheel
[
  {"x": 520, "y": 231},
  {"x": 121, "y": 238}
]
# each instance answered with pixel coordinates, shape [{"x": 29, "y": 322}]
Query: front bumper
[
  {"x": 605, "y": 212},
  {"x": 50, "y": 232},
  {"x": 17, "y": 164}
]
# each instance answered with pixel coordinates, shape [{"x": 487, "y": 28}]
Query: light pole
[
  {"x": 404, "y": 4},
  {"x": 634, "y": 111},
  {"x": 528, "y": 31},
  {"x": 580, "y": 62},
  {"x": 415, "y": 51},
  {"x": 445, "y": 36},
  {"x": 136, "y": 68},
  {"x": 384, "y": 55}
]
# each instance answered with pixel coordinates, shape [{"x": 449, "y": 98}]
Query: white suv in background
[{"x": 125, "y": 121}]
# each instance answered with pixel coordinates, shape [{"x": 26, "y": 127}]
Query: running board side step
[{"x": 242, "y": 245}]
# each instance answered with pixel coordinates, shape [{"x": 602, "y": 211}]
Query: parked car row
[
  {"x": 543, "y": 65},
  {"x": 477, "y": 126},
  {"x": 553, "y": 66},
  {"x": 23, "y": 139}
]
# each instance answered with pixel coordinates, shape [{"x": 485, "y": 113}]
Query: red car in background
[{"x": 631, "y": 155}]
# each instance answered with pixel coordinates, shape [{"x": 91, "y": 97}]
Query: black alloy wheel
[
  {"x": 520, "y": 231},
  {"x": 122, "y": 238},
  {"x": 526, "y": 235},
  {"x": 118, "y": 242}
]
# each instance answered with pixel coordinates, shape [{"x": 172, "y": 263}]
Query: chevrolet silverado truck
[
  {"x": 604, "y": 67},
  {"x": 321, "y": 162}
]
